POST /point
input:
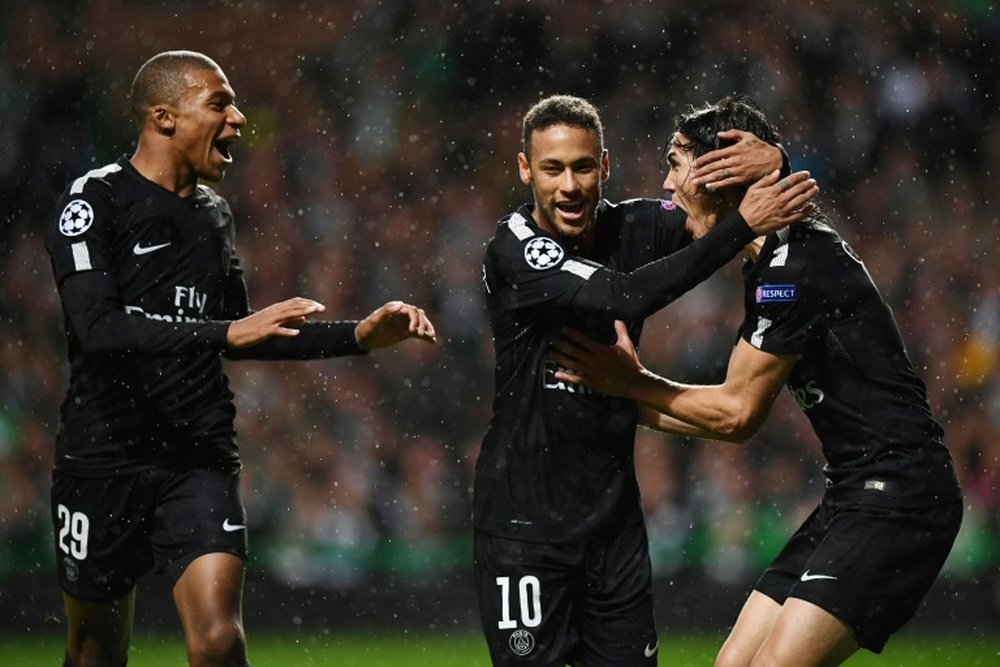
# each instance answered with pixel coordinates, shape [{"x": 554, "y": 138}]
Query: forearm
[
  {"x": 704, "y": 411},
  {"x": 316, "y": 340},
  {"x": 649, "y": 288},
  {"x": 658, "y": 421}
]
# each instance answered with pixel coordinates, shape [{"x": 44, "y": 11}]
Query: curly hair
[{"x": 561, "y": 110}]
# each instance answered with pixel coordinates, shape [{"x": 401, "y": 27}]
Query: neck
[
  {"x": 753, "y": 248},
  {"x": 158, "y": 167}
]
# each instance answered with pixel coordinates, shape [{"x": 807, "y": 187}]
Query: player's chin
[{"x": 213, "y": 173}]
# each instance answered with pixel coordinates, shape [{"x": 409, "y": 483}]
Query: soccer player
[
  {"x": 147, "y": 470},
  {"x": 561, "y": 561},
  {"x": 858, "y": 567}
]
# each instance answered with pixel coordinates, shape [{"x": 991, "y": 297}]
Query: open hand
[
  {"x": 740, "y": 164},
  {"x": 771, "y": 204},
  {"x": 278, "y": 319},
  {"x": 392, "y": 323},
  {"x": 610, "y": 369}
]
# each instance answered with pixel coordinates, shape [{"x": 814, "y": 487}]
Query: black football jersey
[
  {"x": 809, "y": 294},
  {"x": 149, "y": 283},
  {"x": 556, "y": 463}
]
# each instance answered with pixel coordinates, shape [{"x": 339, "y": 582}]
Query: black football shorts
[
  {"x": 109, "y": 531},
  {"x": 555, "y": 604},
  {"x": 869, "y": 567}
]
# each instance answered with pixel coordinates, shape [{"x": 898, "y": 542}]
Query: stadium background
[{"x": 380, "y": 152}]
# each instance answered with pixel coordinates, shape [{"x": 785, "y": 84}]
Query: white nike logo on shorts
[
  {"x": 140, "y": 249},
  {"x": 650, "y": 650},
  {"x": 231, "y": 527},
  {"x": 810, "y": 577}
]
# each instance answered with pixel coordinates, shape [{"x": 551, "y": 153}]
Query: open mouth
[
  {"x": 222, "y": 146},
  {"x": 570, "y": 210}
]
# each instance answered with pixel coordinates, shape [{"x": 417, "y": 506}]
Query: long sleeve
[{"x": 642, "y": 292}]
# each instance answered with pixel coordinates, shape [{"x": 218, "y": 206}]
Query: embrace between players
[{"x": 147, "y": 468}]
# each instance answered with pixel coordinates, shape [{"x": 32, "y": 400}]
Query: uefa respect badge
[{"x": 776, "y": 293}]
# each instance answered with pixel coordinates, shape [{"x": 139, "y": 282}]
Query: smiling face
[
  {"x": 566, "y": 169},
  {"x": 206, "y": 123}
]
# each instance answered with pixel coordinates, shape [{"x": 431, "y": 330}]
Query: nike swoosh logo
[
  {"x": 650, "y": 650},
  {"x": 145, "y": 250},
  {"x": 231, "y": 527},
  {"x": 812, "y": 577}
]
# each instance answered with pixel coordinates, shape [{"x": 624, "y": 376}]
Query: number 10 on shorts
[{"x": 529, "y": 595}]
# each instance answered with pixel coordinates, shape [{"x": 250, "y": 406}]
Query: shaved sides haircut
[{"x": 161, "y": 79}]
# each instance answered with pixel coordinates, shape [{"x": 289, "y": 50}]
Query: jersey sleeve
[
  {"x": 524, "y": 268},
  {"x": 81, "y": 236},
  {"x": 781, "y": 312},
  {"x": 80, "y": 242}
]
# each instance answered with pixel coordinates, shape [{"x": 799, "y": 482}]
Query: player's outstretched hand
[
  {"x": 610, "y": 369},
  {"x": 740, "y": 164},
  {"x": 278, "y": 319},
  {"x": 771, "y": 204},
  {"x": 393, "y": 322}
]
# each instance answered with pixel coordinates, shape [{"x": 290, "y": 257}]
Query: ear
[
  {"x": 162, "y": 118},
  {"x": 524, "y": 168},
  {"x": 605, "y": 165}
]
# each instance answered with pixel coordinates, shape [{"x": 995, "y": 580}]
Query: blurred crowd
[{"x": 379, "y": 154}]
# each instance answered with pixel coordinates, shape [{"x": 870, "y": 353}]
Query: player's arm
[
  {"x": 733, "y": 410},
  {"x": 387, "y": 325},
  {"x": 101, "y": 323},
  {"x": 768, "y": 205},
  {"x": 97, "y": 317}
]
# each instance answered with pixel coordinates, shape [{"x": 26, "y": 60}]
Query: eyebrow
[
  {"x": 221, "y": 95},
  {"x": 554, "y": 162}
]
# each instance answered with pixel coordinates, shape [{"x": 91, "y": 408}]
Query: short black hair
[
  {"x": 561, "y": 110},
  {"x": 161, "y": 79},
  {"x": 701, "y": 126}
]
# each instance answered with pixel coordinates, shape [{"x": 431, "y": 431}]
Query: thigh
[
  {"x": 526, "y": 597},
  {"x": 198, "y": 512},
  {"x": 99, "y": 633},
  {"x": 805, "y": 635},
  {"x": 101, "y": 532},
  {"x": 752, "y": 626},
  {"x": 209, "y": 600},
  {"x": 616, "y": 621}
]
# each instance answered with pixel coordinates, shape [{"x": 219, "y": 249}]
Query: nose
[
  {"x": 568, "y": 181},
  {"x": 667, "y": 185},
  {"x": 236, "y": 117}
]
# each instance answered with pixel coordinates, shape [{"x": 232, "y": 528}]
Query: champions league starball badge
[
  {"x": 542, "y": 253},
  {"x": 76, "y": 218}
]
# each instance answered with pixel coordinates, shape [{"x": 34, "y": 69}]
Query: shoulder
[
  {"x": 89, "y": 198},
  {"x": 513, "y": 230},
  {"x": 640, "y": 208},
  {"x": 101, "y": 181}
]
